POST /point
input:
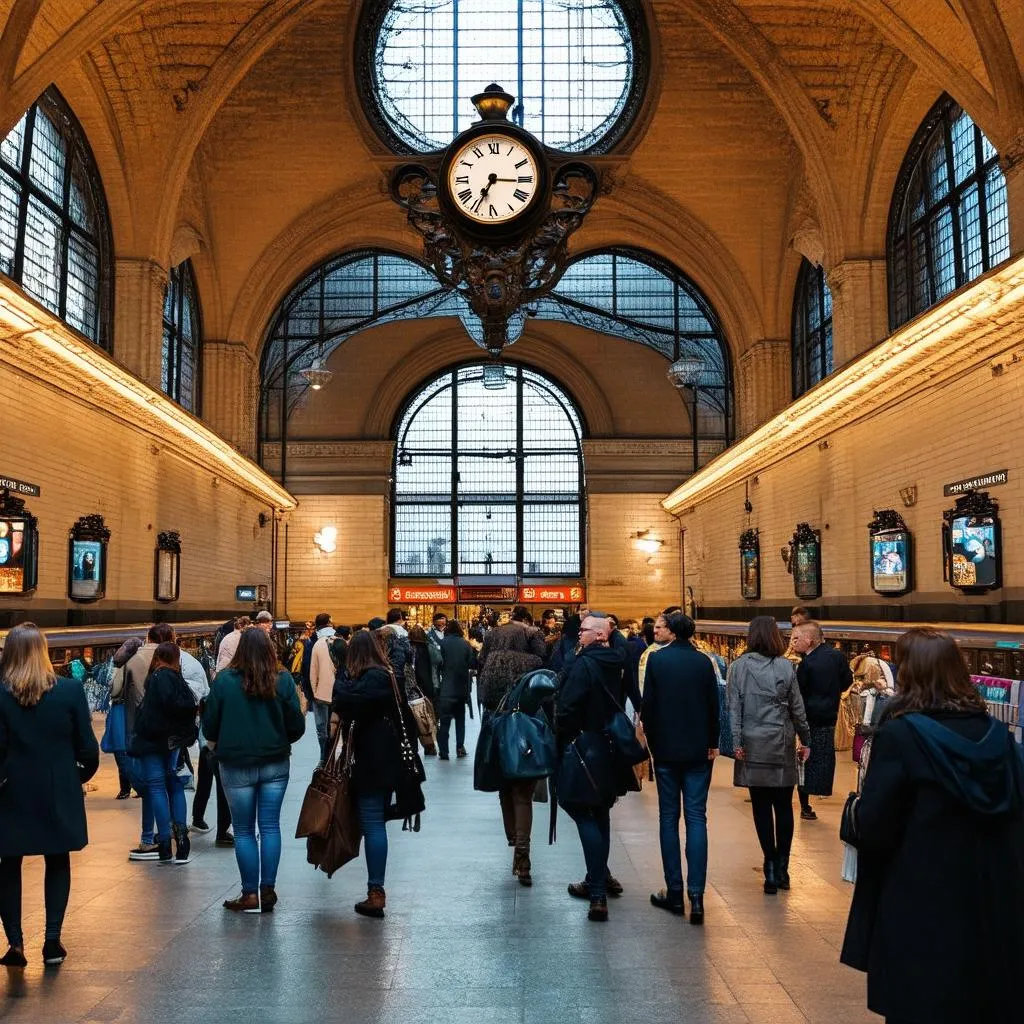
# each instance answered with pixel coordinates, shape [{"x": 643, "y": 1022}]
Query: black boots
[
  {"x": 670, "y": 900},
  {"x": 521, "y": 866},
  {"x": 771, "y": 882},
  {"x": 696, "y": 908},
  {"x": 782, "y": 871}
]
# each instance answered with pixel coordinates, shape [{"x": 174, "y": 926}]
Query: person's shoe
[
  {"x": 782, "y": 872},
  {"x": 614, "y": 886},
  {"x": 268, "y": 899},
  {"x": 182, "y": 845},
  {"x": 521, "y": 867},
  {"x": 226, "y": 841},
  {"x": 145, "y": 851},
  {"x": 582, "y": 891},
  {"x": 54, "y": 953},
  {"x": 807, "y": 814},
  {"x": 246, "y": 903},
  {"x": 136, "y": 795},
  {"x": 696, "y": 908},
  {"x": 14, "y": 957},
  {"x": 670, "y": 900},
  {"x": 373, "y": 905},
  {"x": 199, "y": 826},
  {"x": 771, "y": 883},
  {"x": 443, "y": 757},
  {"x": 598, "y": 910},
  {"x": 461, "y": 752},
  {"x": 123, "y": 795},
  {"x": 164, "y": 853}
]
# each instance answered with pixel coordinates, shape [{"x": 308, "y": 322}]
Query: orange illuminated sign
[
  {"x": 421, "y": 595},
  {"x": 557, "y": 594}
]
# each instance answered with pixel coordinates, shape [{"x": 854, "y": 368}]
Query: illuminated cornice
[
  {"x": 39, "y": 345},
  {"x": 965, "y": 331}
]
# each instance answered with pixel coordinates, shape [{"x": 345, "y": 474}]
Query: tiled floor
[{"x": 462, "y": 942}]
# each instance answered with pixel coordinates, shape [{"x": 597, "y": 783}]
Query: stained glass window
[
  {"x": 948, "y": 223},
  {"x": 812, "y": 329},
  {"x": 182, "y": 338},
  {"x": 54, "y": 230},
  {"x": 572, "y": 65},
  {"x": 488, "y": 478}
]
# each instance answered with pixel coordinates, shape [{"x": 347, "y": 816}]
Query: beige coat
[
  {"x": 228, "y": 648},
  {"x": 322, "y": 671}
]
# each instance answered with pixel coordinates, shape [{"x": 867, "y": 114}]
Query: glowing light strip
[
  {"x": 952, "y": 336},
  {"x": 97, "y": 372}
]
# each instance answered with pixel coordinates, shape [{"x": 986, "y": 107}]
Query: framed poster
[
  {"x": 87, "y": 559},
  {"x": 167, "y": 573},
  {"x": 19, "y": 546},
  {"x": 972, "y": 542},
  {"x": 891, "y": 554},
  {"x": 750, "y": 565},
  {"x": 805, "y": 562}
]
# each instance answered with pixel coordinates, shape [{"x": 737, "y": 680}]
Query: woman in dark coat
[
  {"x": 458, "y": 660},
  {"x": 47, "y": 750},
  {"x": 365, "y": 697},
  {"x": 937, "y": 919}
]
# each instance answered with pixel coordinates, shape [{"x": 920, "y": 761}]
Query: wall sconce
[
  {"x": 327, "y": 539},
  {"x": 649, "y": 545},
  {"x": 909, "y": 496},
  {"x": 785, "y": 553}
]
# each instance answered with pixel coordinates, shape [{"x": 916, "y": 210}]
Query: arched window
[
  {"x": 948, "y": 222},
  {"x": 488, "y": 477},
  {"x": 182, "y": 340},
  {"x": 54, "y": 229},
  {"x": 577, "y": 69},
  {"x": 812, "y": 329}
]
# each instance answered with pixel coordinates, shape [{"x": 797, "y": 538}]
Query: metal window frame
[
  {"x": 810, "y": 288},
  {"x": 182, "y": 278}
]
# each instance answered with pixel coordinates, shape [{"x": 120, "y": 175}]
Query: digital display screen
[
  {"x": 750, "y": 575},
  {"x": 86, "y": 569},
  {"x": 245, "y": 593},
  {"x": 167, "y": 575},
  {"x": 12, "y": 556},
  {"x": 807, "y": 570},
  {"x": 974, "y": 562},
  {"x": 890, "y": 561}
]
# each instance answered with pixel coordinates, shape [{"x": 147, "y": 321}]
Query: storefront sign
[
  {"x": 246, "y": 592},
  {"x": 470, "y": 594},
  {"x": 1000, "y": 476},
  {"x": 8, "y": 483},
  {"x": 421, "y": 595},
  {"x": 545, "y": 594}
]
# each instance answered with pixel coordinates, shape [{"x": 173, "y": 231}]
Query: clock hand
[{"x": 491, "y": 179}]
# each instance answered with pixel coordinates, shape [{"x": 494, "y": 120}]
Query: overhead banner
[
  {"x": 421, "y": 595},
  {"x": 547, "y": 594}
]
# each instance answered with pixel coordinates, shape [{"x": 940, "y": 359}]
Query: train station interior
[{"x": 733, "y": 325}]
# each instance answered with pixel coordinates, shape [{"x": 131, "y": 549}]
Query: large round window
[{"x": 576, "y": 67}]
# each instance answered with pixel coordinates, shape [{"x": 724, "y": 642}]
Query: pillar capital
[
  {"x": 1011, "y": 161},
  {"x": 860, "y": 307},
  {"x": 763, "y": 383}
]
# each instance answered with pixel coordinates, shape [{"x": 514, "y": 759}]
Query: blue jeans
[
  {"x": 458, "y": 714},
  {"x": 595, "y": 829},
  {"x": 166, "y": 791},
  {"x": 689, "y": 780},
  {"x": 138, "y": 780},
  {"x": 375, "y": 836},
  {"x": 256, "y": 792},
  {"x": 322, "y": 720}
]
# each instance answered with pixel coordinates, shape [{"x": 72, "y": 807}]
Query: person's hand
[
  {"x": 804, "y": 753},
  {"x": 740, "y": 754},
  {"x": 712, "y": 753}
]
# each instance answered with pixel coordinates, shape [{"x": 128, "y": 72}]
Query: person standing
[
  {"x": 766, "y": 713},
  {"x": 823, "y": 676},
  {"x": 251, "y": 719},
  {"x": 937, "y": 912},
  {"x": 117, "y": 697},
  {"x": 47, "y": 752},
  {"x": 322, "y": 674},
  {"x": 681, "y": 722},
  {"x": 228, "y": 646},
  {"x": 458, "y": 660}
]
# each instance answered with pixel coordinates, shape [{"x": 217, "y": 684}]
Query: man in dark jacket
[
  {"x": 680, "y": 716},
  {"x": 823, "y": 675}
]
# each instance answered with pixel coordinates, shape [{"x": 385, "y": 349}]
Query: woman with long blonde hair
[{"x": 47, "y": 750}]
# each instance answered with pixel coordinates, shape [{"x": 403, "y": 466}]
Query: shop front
[{"x": 471, "y": 601}]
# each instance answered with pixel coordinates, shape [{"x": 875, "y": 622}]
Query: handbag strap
[{"x": 408, "y": 755}]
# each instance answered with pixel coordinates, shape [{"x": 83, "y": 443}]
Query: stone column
[
  {"x": 1012, "y": 163},
  {"x": 139, "y": 287},
  {"x": 230, "y": 393},
  {"x": 860, "y": 307},
  {"x": 764, "y": 383}
]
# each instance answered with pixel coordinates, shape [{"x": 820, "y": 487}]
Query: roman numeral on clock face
[
  {"x": 520, "y": 195},
  {"x": 522, "y": 163},
  {"x": 478, "y": 152},
  {"x": 494, "y": 148},
  {"x": 525, "y": 179},
  {"x": 465, "y": 195}
]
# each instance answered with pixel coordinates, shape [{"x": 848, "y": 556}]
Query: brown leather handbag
[{"x": 339, "y": 844}]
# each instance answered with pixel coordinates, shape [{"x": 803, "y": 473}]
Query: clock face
[{"x": 493, "y": 179}]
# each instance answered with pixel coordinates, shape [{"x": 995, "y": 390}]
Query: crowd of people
[{"x": 939, "y": 809}]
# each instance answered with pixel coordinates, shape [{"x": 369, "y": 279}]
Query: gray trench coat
[{"x": 767, "y": 714}]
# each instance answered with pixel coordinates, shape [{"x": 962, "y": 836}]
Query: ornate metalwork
[
  {"x": 90, "y": 527},
  {"x": 169, "y": 541},
  {"x": 10, "y": 504},
  {"x": 886, "y": 519},
  {"x": 750, "y": 541},
  {"x": 973, "y": 503}
]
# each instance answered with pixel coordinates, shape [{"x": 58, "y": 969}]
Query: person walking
[
  {"x": 823, "y": 676},
  {"x": 322, "y": 673},
  {"x": 47, "y": 752},
  {"x": 510, "y": 651},
  {"x": 681, "y": 722},
  {"x": 366, "y": 697},
  {"x": 937, "y": 912},
  {"x": 766, "y": 713},
  {"x": 165, "y": 722},
  {"x": 458, "y": 660},
  {"x": 251, "y": 719}
]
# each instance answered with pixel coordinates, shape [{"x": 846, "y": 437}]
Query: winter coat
[
  {"x": 228, "y": 648},
  {"x": 680, "y": 705},
  {"x": 423, "y": 666},
  {"x": 767, "y": 714},
  {"x": 368, "y": 701},
  {"x": 508, "y": 652},
  {"x": 459, "y": 659},
  {"x": 133, "y": 688},
  {"x": 399, "y": 652},
  {"x": 322, "y": 672},
  {"x": 823, "y": 676},
  {"x": 167, "y": 716},
  {"x": 46, "y": 753},
  {"x": 937, "y": 918}
]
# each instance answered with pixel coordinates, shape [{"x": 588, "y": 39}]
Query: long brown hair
[
  {"x": 365, "y": 651},
  {"x": 167, "y": 655},
  {"x": 256, "y": 662},
  {"x": 25, "y": 666},
  {"x": 932, "y": 674},
  {"x": 763, "y": 637}
]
